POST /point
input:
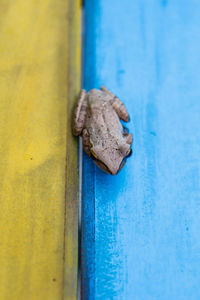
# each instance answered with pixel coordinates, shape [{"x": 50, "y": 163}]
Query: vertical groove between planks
[{"x": 72, "y": 198}]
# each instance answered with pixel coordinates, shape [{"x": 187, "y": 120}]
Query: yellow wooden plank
[{"x": 39, "y": 80}]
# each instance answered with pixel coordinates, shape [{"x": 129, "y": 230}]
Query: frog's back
[
  {"x": 101, "y": 116},
  {"x": 99, "y": 104},
  {"x": 96, "y": 97}
]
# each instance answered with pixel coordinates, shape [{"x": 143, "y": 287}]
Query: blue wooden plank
[{"x": 141, "y": 228}]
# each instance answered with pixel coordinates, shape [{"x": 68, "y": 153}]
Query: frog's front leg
[
  {"x": 129, "y": 138},
  {"x": 117, "y": 105},
  {"x": 86, "y": 142},
  {"x": 80, "y": 113}
]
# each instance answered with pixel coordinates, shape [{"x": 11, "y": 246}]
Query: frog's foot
[
  {"x": 129, "y": 138},
  {"x": 80, "y": 113},
  {"x": 117, "y": 105},
  {"x": 86, "y": 142}
]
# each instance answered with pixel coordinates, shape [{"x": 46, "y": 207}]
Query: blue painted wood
[{"x": 140, "y": 238}]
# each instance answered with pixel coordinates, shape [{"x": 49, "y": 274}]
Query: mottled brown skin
[{"x": 97, "y": 118}]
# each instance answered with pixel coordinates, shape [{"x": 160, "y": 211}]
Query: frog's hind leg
[
  {"x": 117, "y": 105},
  {"x": 80, "y": 113}
]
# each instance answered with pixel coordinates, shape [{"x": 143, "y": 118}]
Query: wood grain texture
[
  {"x": 140, "y": 236},
  {"x": 39, "y": 81}
]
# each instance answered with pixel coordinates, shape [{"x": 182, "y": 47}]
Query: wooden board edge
[{"x": 70, "y": 267}]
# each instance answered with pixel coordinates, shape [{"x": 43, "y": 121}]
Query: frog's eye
[
  {"x": 125, "y": 149},
  {"x": 129, "y": 152},
  {"x": 93, "y": 154}
]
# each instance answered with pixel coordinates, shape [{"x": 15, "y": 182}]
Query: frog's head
[{"x": 111, "y": 160}]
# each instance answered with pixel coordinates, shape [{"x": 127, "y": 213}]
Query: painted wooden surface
[
  {"x": 39, "y": 80},
  {"x": 140, "y": 236}
]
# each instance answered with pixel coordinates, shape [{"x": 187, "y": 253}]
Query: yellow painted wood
[{"x": 39, "y": 80}]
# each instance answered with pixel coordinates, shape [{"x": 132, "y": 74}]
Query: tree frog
[{"x": 97, "y": 119}]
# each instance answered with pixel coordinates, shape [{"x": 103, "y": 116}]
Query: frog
[{"x": 97, "y": 118}]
